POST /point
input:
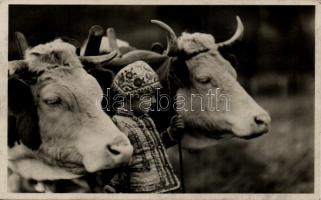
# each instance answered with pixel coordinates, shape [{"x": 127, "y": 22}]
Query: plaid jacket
[{"x": 150, "y": 169}]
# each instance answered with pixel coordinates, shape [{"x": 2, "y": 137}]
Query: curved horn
[
  {"x": 21, "y": 43},
  {"x": 237, "y": 35},
  {"x": 96, "y": 60},
  {"x": 16, "y": 65},
  {"x": 155, "y": 60},
  {"x": 172, "y": 46}
]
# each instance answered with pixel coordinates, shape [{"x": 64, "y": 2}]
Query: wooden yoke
[
  {"x": 93, "y": 41},
  {"x": 112, "y": 40}
]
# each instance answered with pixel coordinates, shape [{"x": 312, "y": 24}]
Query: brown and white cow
[
  {"x": 215, "y": 105},
  {"x": 193, "y": 66},
  {"x": 56, "y": 128}
]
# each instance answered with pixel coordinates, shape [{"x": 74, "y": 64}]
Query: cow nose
[
  {"x": 113, "y": 150},
  {"x": 120, "y": 152},
  {"x": 262, "y": 123},
  {"x": 262, "y": 119}
]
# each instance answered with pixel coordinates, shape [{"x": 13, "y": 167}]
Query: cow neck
[
  {"x": 24, "y": 162},
  {"x": 174, "y": 83}
]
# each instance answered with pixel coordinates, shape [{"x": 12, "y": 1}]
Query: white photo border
[{"x": 4, "y": 7}]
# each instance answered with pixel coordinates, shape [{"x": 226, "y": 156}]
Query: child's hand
[{"x": 176, "y": 127}]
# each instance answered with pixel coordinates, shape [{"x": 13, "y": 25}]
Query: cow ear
[
  {"x": 19, "y": 95},
  {"x": 23, "y": 119},
  {"x": 13, "y": 136},
  {"x": 180, "y": 71}
]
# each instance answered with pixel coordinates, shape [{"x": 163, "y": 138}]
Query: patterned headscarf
[{"x": 136, "y": 78}]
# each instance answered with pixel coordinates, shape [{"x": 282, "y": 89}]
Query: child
[{"x": 150, "y": 169}]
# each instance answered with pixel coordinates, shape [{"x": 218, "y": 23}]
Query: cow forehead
[
  {"x": 56, "y": 45},
  {"x": 77, "y": 80},
  {"x": 211, "y": 62},
  {"x": 52, "y": 54}
]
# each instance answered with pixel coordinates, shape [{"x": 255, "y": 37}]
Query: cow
[
  {"x": 193, "y": 65},
  {"x": 56, "y": 127}
]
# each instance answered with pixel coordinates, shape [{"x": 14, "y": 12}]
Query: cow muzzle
[
  {"x": 99, "y": 154},
  {"x": 252, "y": 126},
  {"x": 261, "y": 125},
  {"x": 120, "y": 152}
]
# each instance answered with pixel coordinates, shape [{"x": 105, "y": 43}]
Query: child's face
[{"x": 144, "y": 103}]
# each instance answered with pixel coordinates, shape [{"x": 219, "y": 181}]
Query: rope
[
  {"x": 173, "y": 80},
  {"x": 181, "y": 169}
]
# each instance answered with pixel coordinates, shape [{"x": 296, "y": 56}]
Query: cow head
[
  {"x": 215, "y": 104},
  {"x": 55, "y": 114}
]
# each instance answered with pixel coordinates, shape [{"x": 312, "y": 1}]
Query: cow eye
[
  {"x": 203, "y": 80},
  {"x": 52, "y": 101}
]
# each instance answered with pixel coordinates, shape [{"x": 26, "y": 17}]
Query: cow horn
[
  {"x": 172, "y": 46},
  {"x": 21, "y": 43},
  {"x": 96, "y": 60},
  {"x": 16, "y": 65},
  {"x": 237, "y": 35}
]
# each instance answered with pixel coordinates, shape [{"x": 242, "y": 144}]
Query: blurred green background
[{"x": 275, "y": 65}]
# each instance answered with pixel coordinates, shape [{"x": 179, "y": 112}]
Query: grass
[{"x": 281, "y": 161}]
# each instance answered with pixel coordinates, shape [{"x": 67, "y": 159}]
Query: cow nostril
[
  {"x": 259, "y": 120},
  {"x": 112, "y": 150},
  {"x": 263, "y": 119}
]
